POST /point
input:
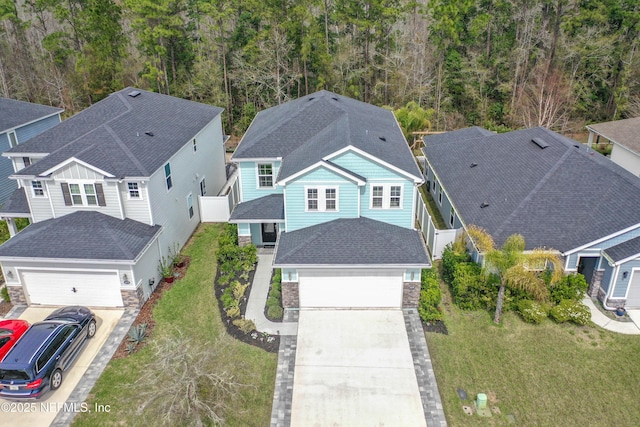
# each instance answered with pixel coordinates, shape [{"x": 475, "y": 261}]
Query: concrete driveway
[
  {"x": 354, "y": 368},
  {"x": 43, "y": 411}
]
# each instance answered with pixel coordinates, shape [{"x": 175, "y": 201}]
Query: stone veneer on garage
[
  {"x": 16, "y": 293},
  {"x": 410, "y": 294},
  {"x": 132, "y": 298}
]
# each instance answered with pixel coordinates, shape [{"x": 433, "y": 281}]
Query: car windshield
[{"x": 10, "y": 374}]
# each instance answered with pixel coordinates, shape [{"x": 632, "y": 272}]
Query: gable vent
[
  {"x": 540, "y": 143},
  {"x": 134, "y": 93},
  {"x": 149, "y": 133},
  {"x": 473, "y": 165},
  {"x": 484, "y": 205}
]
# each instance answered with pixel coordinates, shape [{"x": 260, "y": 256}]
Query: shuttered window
[{"x": 83, "y": 194}]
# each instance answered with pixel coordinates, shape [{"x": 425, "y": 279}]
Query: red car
[{"x": 10, "y": 331}]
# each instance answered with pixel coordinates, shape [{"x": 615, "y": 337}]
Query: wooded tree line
[{"x": 495, "y": 63}]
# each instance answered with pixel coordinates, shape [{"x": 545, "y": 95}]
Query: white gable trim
[
  {"x": 348, "y": 148},
  {"x": 602, "y": 239},
  {"x": 322, "y": 163},
  {"x": 80, "y": 162},
  {"x": 14, "y": 154}
]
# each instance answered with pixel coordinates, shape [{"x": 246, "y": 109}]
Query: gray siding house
[
  {"x": 556, "y": 192},
  {"x": 109, "y": 192},
  {"x": 19, "y": 122}
]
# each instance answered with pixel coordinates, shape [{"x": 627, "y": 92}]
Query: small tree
[{"x": 514, "y": 266}]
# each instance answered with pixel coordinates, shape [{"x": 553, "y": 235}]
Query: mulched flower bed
[
  {"x": 270, "y": 343},
  {"x": 436, "y": 326},
  {"x": 5, "y": 307},
  {"x": 146, "y": 312}
]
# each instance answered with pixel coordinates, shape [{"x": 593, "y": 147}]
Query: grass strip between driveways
[
  {"x": 189, "y": 305},
  {"x": 544, "y": 375}
]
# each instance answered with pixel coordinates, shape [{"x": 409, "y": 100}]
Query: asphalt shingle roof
[
  {"x": 624, "y": 250},
  {"x": 15, "y": 113},
  {"x": 457, "y": 135},
  {"x": 352, "y": 241},
  {"x": 624, "y": 132},
  {"x": 16, "y": 205},
  {"x": 269, "y": 207},
  {"x": 111, "y": 134},
  {"x": 81, "y": 235},
  {"x": 305, "y": 130},
  {"x": 561, "y": 197}
]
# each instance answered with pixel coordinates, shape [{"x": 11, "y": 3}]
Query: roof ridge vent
[
  {"x": 134, "y": 93},
  {"x": 540, "y": 143},
  {"x": 473, "y": 165},
  {"x": 484, "y": 205}
]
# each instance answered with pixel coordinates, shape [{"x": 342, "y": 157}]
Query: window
[
  {"x": 195, "y": 145},
  {"x": 76, "y": 194},
  {"x": 330, "y": 199},
  {"x": 38, "y": 189},
  {"x": 312, "y": 199},
  {"x": 190, "y": 205},
  {"x": 265, "y": 175},
  {"x": 203, "y": 188},
  {"x": 434, "y": 185},
  {"x": 167, "y": 176},
  {"x": 440, "y": 195},
  {"x": 452, "y": 216},
  {"x": 13, "y": 139},
  {"x": 386, "y": 196},
  {"x": 134, "y": 190},
  {"x": 26, "y": 161}
]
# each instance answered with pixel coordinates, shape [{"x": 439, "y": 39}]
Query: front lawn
[
  {"x": 544, "y": 375},
  {"x": 191, "y": 307}
]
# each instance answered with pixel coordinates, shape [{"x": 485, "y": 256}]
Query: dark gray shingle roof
[
  {"x": 269, "y": 207},
  {"x": 110, "y": 134},
  {"x": 457, "y": 135},
  {"x": 305, "y": 130},
  {"x": 81, "y": 235},
  {"x": 624, "y": 132},
  {"x": 17, "y": 205},
  {"x": 624, "y": 250},
  {"x": 17, "y": 113},
  {"x": 560, "y": 197},
  {"x": 352, "y": 241}
]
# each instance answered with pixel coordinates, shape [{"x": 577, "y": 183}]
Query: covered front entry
[
  {"x": 51, "y": 287},
  {"x": 633, "y": 295},
  {"x": 269, "y": 233},
  {"x": 586, "y": 267},
  {"x": 357, "y": 288}
]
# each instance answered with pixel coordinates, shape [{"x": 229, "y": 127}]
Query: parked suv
[{"x": 36, "y": 362}]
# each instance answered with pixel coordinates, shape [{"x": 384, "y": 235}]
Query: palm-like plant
[{"x": 515, "y": 267}]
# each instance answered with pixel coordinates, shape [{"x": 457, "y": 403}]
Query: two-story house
[
  {"x": 331, "y": 182},
  {"x": 109, "y": 192},
  {"x": 19, "y": 122},
  {"x": 554, "y": 191}
]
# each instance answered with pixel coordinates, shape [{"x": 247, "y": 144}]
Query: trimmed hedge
[
  {"x": 571, "y": 311},
  {"x": 532, "y": 311},
  {"x": 430, "y": 296}
]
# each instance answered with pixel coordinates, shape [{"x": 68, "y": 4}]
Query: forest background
[{"x": 501, "y": 64}]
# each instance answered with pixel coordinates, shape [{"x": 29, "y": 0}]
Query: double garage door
[
  {"x": 350, "y": 289},
  {"x": 93, "y": 289},
  {"x": 633, "y": 294}
]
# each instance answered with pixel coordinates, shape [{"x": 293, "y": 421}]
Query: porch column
[
  {"x": 590, "y": 142},
  {"x": 11, "y": 224}
]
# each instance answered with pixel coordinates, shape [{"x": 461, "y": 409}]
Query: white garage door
[
  {"x": 72, "y": 288},
  {"x": 350, "y": 289},
  {"x": 633, "y": 296}
]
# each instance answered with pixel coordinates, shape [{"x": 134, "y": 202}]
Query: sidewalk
[
  {"x": 258, "y": 299},
  {"x": 628, "y": 328}
]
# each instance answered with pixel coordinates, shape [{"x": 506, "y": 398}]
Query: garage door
[
  {"x": 352, "y": 289},
  {"x": 72, "y": 288},
  {"x": 633, "y": 296}
]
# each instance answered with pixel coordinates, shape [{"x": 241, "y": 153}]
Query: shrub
[
  {"x": 5, "y": 294},
  {"x": 227, "y": 298},
  {"x": 450, "y": 259},
  {"x": 245, "y": 325},
  {"x": 430, "y": 296},
  {"x": 531, "y": 311},
  {"x": 571, "y": 311},
  {"x": 233, "y": 311},
  {"x": 571, "y": 287},
  {"x": 137, "y": 334},
  {"x": 275, "y": 311},
  {"x": 277, "y": 276},
  {"x": 238, "y": 290},
  {"x": 473, "y": 290}
]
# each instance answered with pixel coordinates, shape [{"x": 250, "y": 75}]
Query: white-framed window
[
  {"x": 321, "y": 199},
  {"x": 195, "y": 145},
  {"x": 265, "y": 175},
  {"x": 37, "y": 188},
  {"x": 434, "y": 185},
  {"x": 452, "y": 215},
  {"x": 203, "y": 187},
  {"x": 167, "y": 176},
  {"x": 83, "y": 194},
  {"x": 13, "y": 139},
  {"x": 26, "y": 161},
  {"x": 440, "y": 196},
  {"x": 134, "y": 190},
  {"x": 190, "y": 205},
  {"x": 386, "y": 196}
]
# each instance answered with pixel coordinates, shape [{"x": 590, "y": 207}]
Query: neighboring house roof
[
  {"x": 121, "y": 135},
  {"x": 17, "y": 205},
  {"x": 350, "y": 242},
  {"x": 84, "y": 235},
  {"x": 306, "y": 130},
  {"x": 562, "y": 196},
  {"x": 15, "y": 113},
  {"x": 624, "y": 132},
  {"x": 269, "y": 207},
  {"x": 624, "y": 250},
  {"x": 457, "y": 135}
]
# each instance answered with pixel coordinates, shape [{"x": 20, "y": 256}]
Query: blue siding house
[
  {"x": 330, "y": 182},
  {"x": 558, "y": 193},
  {"x": 19, "y": 122}
]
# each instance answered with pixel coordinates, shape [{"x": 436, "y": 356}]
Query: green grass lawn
[
  {"x": 190, "y": 305},
  {"x": 544, "y": 375}
]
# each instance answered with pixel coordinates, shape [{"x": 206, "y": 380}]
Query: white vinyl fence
[
  {"x": 436, "y": 239},
  {"x": 219, "y": 208}
]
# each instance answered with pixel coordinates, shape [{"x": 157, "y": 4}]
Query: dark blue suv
[{"x": 36, "y": 362}]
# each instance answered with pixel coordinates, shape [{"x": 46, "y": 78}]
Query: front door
[
  {"x": 586, "y": 267},
  {"x": 269, "y": 233}
]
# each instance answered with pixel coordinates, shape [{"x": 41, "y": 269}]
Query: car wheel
[
  {"x": 92, "y": 329},
  {"x": 56, "y": 379}
]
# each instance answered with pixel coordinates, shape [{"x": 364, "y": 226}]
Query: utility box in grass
[{"x": 481, "y": 401}]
